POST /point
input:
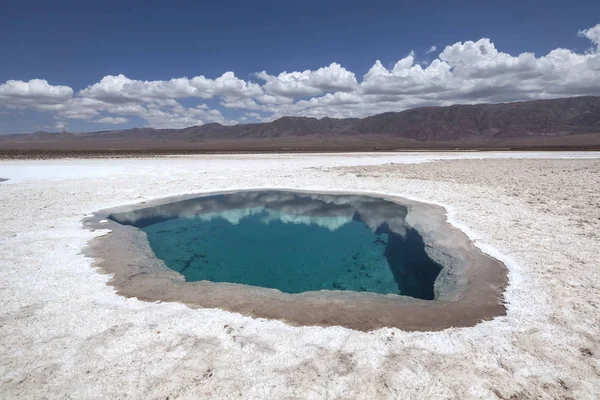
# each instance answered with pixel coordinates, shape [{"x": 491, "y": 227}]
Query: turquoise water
[{"x": 291, "y": 242}]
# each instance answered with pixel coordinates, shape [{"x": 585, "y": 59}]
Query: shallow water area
[
  {"x": 361, "y": 261},
  {"x": 292, "y": 242}
]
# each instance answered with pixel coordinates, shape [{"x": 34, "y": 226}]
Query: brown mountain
[{"x": 559, "y": 123}]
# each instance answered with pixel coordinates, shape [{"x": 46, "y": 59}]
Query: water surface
[{"x": 293, "y": 242}]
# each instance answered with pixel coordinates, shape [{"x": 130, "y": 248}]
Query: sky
[{"x": 101, "y": 65}]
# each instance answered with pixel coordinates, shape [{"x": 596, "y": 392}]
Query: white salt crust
[{"x": 65, "y": 333}]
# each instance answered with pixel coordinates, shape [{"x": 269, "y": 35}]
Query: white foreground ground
[{"x": 65, "y": 334}]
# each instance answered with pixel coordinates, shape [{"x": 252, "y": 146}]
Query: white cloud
[
  {"x": 477, "y": 71},
  {"x": 166, "y": 113},
  {"x": 463, "y": 72},
  {"x": 111, "y": 120},
  {"x": 36, "y": 93},
  {"x": 593, "y": 34},
  {"x": 309, "y": 83},
  {"x": 178, "y": 116},
  {"x": 61, "y": 125},
  {"x": 120, "y": 89}
]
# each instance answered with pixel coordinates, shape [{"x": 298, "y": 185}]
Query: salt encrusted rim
[{"x": 469, "y": 289}]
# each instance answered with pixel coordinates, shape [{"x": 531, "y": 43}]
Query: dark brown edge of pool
[{"x": 469, "y": 289}]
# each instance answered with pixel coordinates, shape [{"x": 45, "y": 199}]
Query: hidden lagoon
[{"x": 307, "y": 258}]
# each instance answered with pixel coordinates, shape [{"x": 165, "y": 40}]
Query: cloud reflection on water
[{"x": 328, "y": 211}]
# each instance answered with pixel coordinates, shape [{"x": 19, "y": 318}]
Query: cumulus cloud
[
  {"x": 36, "y": 93},
  {"x": 462, "y": 72},
  {"x": 178, "y": 116},
  {"x": 476, "y": 71},
  {"x": 120, "y": 89},
  {"x": 112, "y": 120},
  {"x": 332, "y": 78},
  {"x": 159, "y": 113},
  {"x": 61, "y": 125},
  {"x": 593, "y": 34}
]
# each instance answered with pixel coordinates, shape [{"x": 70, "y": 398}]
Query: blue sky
[{"x": 143, "y": 45}]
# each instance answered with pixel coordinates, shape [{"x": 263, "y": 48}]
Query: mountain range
[{"x": 557, "y": 123}]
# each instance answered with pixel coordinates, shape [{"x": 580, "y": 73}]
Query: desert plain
[{"x": 66, "y": 333}]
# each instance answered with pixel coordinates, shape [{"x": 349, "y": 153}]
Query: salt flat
[{"x": 64, "y": 333}]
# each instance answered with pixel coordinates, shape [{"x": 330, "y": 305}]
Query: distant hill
[{"x": 558, "y": 123}]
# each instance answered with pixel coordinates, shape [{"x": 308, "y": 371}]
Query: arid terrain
[
  {"x": 569, "y": 123},
  {"x": 63, "y": 330}
]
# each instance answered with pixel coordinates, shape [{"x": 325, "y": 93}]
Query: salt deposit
[{"x": 65, "y": 333}]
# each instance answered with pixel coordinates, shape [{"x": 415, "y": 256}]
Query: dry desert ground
[{"x": 65, "y": 333}]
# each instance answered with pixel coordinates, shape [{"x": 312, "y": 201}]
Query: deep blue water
[{"x": 291, "y": 242}]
